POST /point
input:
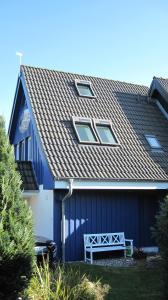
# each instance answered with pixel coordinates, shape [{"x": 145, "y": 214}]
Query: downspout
[{"x": 68, "y": 195}]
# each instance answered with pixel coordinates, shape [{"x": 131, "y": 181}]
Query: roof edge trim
[
  {"x": 14, "y": 104},
  {"x": 112, "y": 185},
  {"x": 162, "y": 109}
]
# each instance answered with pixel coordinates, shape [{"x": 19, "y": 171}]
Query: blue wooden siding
[
  {"x": 104, "y": 211},
  {"x": 41, "y": 168}
]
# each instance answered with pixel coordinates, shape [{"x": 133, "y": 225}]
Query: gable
[
  {"x": 159, "y": 91},
  {"x": 24, "y": 136}
]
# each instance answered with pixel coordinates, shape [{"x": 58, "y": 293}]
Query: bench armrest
[
  {"x": 129, "y": 245},
  {"x": 129, "y": 241}
]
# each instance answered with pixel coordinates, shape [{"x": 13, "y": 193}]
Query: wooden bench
[{"x": 102, "y": 242}]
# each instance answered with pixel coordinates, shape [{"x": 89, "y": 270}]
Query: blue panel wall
[
  {"x": 104, "y": 211},
  {"x": 41, "y": 168}
]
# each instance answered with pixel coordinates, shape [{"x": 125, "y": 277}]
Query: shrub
[
  {"x": 160, "y": 232},
  {"x": 64, "y": 283},
  {"x": 16, "y": 237}
]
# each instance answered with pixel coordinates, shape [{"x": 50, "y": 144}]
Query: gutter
[
  {"x": 68, "y": 195},
  {"x": 112, "y": 185}
]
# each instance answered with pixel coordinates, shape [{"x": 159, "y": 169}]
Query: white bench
[{"x": 102, "y": 242}]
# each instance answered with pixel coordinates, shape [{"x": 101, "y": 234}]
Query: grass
[
  {"x": 79, "y": 281},
  {"x": 126, "y": 283}
]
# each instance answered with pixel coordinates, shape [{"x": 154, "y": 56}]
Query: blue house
[{"x": 92, "y": 153}]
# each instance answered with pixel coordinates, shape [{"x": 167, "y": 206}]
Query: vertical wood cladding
[{"x": 105, "y": 211}]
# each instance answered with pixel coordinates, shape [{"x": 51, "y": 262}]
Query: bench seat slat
[{"x": 103, "y": 249}]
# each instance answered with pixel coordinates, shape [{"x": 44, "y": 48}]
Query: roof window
[
  {"x": 105, "y": 132},
  {"x": 84, "y": 88},
  {"x": 153, "y": 142},
  {"x": 93, "y": 131},
  {"x": 84, "y": 130}
]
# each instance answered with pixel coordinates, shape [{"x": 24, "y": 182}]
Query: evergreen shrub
[
  {"x": 160, "y": 232},
  {"x": 16, "y": 234}
]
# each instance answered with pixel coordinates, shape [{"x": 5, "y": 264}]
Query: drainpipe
[{"x": 68, "y": 195}]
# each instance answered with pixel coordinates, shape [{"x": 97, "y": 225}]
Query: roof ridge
[
  {"x": 93, "y": 76},
  {"x": 155, "y": 77}
]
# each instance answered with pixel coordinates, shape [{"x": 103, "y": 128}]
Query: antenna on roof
[{"x": 20, "y": 57}]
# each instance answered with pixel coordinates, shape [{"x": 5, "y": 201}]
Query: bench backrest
[{"x": 104, "y": 239}]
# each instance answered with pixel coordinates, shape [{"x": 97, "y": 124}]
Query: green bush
[
  {"x": 64, "y": 283},
  {"x": 16, "y": 236},
  {"x": 160, "y": 232}
]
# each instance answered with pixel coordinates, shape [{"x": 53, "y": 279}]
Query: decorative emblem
[{"x": 24, "y": 121}]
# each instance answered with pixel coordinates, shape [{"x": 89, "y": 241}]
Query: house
[{"x": 92, "y": 153}]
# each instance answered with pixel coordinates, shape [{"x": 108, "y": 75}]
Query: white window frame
[
  {"x": 147, "y": 136},
  {"x": 17, "y": 152},
  {"x": 23, "y": 145},
  {"x": 108, "y": 124},
  {"x": 87, "y": 83},
  {"x": 82, "y": 120},
  {"x": 29, "y": 148}
]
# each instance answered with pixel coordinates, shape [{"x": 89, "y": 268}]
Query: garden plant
[
  {"x": 16, "y": 235},
  {"x": 160, "y": 232}
]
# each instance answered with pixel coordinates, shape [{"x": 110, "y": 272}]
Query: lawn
[{"x": 126, "y": 283}]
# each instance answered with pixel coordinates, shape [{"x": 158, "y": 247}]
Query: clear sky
[{"x": 123, "y": 40}]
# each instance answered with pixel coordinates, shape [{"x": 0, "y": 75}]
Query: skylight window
[
  {"x": 105, "y": 133},
  {"x": 84, "y": 130},
  {"x": 84, "y": 88},
  {"x": 94, "y": 131},
  {"x": 153, "y": 142}
]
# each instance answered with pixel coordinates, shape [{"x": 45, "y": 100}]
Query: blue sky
[{"x": 123, "y": 40}]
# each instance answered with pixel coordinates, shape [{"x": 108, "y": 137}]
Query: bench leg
[
  {"x": 84, "y": 255},
  {"x": 91, "y": 258}
]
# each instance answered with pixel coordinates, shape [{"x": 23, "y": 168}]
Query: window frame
[
  {"x": 28, "y": 148},
  {"x": 153, "y": 147},
  {"x": 105, "y": 123},
  {"x": 22, "y": 150},
  {"x": 88, "y": 121},
  {"x": 16, "y": 151},
  {"x": 87, "y": 83}
]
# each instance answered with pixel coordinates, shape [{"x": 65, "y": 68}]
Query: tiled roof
[
  {"x": 29, "y": 181},
  {"x": 54, "y": 101},
  {"x": 161, "y": 85},
  {"x": 163, "y": 82}
]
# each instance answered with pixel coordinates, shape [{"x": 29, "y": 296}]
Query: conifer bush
[
  {"x": 160, "y": 232},
  {"x": 16, "y": 234}
]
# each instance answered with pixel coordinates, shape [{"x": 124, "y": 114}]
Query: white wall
[{"x": 42, "y": 205}]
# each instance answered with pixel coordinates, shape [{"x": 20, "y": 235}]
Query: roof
[
  {"x": 26, "y": 170},
  {"x": 163, "y": 82},
  {"x": 161, "y": 85},
  {"x": 54, "y": 101}
]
